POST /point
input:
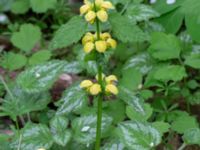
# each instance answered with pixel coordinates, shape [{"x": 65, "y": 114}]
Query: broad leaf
[
  {"x": 39, "y": 6},
  {"x": 59, "y": 130},
  {"x": 69, "y": 33},
  {"x": 193, "y": 60},
  {"x": 113, "y": 145},
  {"x": 141, "y": 12},
  {"x": 162, "y": 127},
  {"x": 40, "y": 77},
  {"x": 73, "y": 99},
  {"x": 40, "y": 57},
  {"x": 13, "y": 61},
  {"x": 138, "y": 135},
  {"x": 84, "y": 128},
  {"x": 34, "y": 136},
  {"x": 170, "y": 72},
  {"x": 20, "y": 6},
  {"x": 164, "y": 47},
  {"x": 73, "y": 67},
  {"x": 27, "y": 37},
  {"x": 125, "y": 30},
  {"x": 192, "y": 136}
]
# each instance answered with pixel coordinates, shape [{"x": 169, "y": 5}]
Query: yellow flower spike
[
  {"x": 95, "y": 89},
  {"x": 90, "y": 16},
  {"x": 112, "y": 43},
  {"x": 111, "y": 88},
  {"x": 101, "y": 46},
  {"x": 105, "y": 36},
  {"x": 84, "y": 9},
  {"x": 88, "y": 47},
  {"x": 86, "y": 84},
  {"x": 107, "y": 5},
  {"x": 89, "y": 37},
  {"x": 110, "y": 79},
  {"x": 102, "y": 15}
]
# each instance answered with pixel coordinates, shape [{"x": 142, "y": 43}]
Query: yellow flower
[
  {"x": 110, "y": 88},
  {"x": 107, "y": 5},
  {"x": 105, "y": 36},
  {"x": 89, "y": 37},
  {"x": 88, "y": 47},
  {"x": 102, "y": 15},
  {"x": 86, "y": 84},
  {"x": 41, "y": 149},
  {"x": 84, "y": 9},
  {"x": 98, "y": 3},
  {"x": 112, "y": 43},
  {"x": 101, "y": 46},
  {"x": 90, "y": 16},
  {"x": 110, "y": 79},
  {"x": 95, "y": 89}
]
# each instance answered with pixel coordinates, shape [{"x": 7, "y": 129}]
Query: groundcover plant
[{"x": 99, "y": 74}]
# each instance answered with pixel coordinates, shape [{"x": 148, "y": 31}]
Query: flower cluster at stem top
[
  {"x": 101, "y": 44},
  {"x": 96, "y": 10},
  {"x": 94, "y": 88}
]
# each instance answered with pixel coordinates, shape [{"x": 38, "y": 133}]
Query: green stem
[{"x": 182, "y": 146}]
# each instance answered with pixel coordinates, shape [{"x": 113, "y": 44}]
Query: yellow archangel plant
[{"x": 96, "y": 11}]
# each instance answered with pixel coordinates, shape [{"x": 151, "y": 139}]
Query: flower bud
[
  {"x": 110, "y": 88},
  {"x": 95, "y": 89},
  {"x": 90, "y": 16},
  {"x": 110, "y": 79},
  {"x": 88, "y": 47},
  {"x": 102, "y": 76},
  {"x": 107, "y": 5},
  {"x": 102, "y": 15},
  {"x": 86, "y": 84},
  {"x": 84, "y": 9},
  {"x": 101, "y": 46},
  {"x": 112, "y": 43}
]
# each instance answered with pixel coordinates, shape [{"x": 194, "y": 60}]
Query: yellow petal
[
  {"x": 95, "y": 89},
  {"x": 112, "y": 43},
  {"x": 86, "y": 84},
  {"x": 90, "y": 16},
  {"x": 110, "y": 79},
  {"x": 98, "y": 3},
  {"x": 84, "y": 9},
  {"x": 105, "y": 36},
  {"x": 89, "y": 37},
  {"x": 88, "y": 47},
  {"x": 110, "y": 88},
  {"x": 101, "y": 46},
  {"x": 102, "y": 15},
  {"x": 107, "y": 5}
]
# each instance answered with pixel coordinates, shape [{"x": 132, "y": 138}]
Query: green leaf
[
  {"x": 192, "y": 136},
  {"x": 138, "y": 135},
  {"x": 59, "y": 130},
  {"x": 131, "y": 79},
  {"x": 134, "y": 115},
  {"x": 73, "y": 67},
  {"x": 27, "y": 37},
  {"x": 20, "y": 6},
  {"x": 141, "y": 12},
  {"x": 5, "y": 5},
  {"x": 170, "y": 72},
  {"x": 84, "y": 128},
  {"x": 131, "y": 99},
  {"x": 22, "y": 102},
  {"x": 162, "y": 127},
  {"x": 40, "y": 57},
  {"x": 126, "y": 31},
  {"x": 113, "y": 145},
  {"x": 69, "y": 33},
  {"x": 193, "y": 60},
  {"x": 141, "y": 62},
  {"x": 40, "y": 77},
  {"x": 194, "y": 98},
  {"x": 73, "y": 99},
  {"x": 12, "y": 61},
  {"x": 112, "y": 109},
  {"x": 183, "y": 123},
  {"x": 39, "y": 6},
  {"x": 34, "y": 136},
  {"x": 164, "y": 47}
]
